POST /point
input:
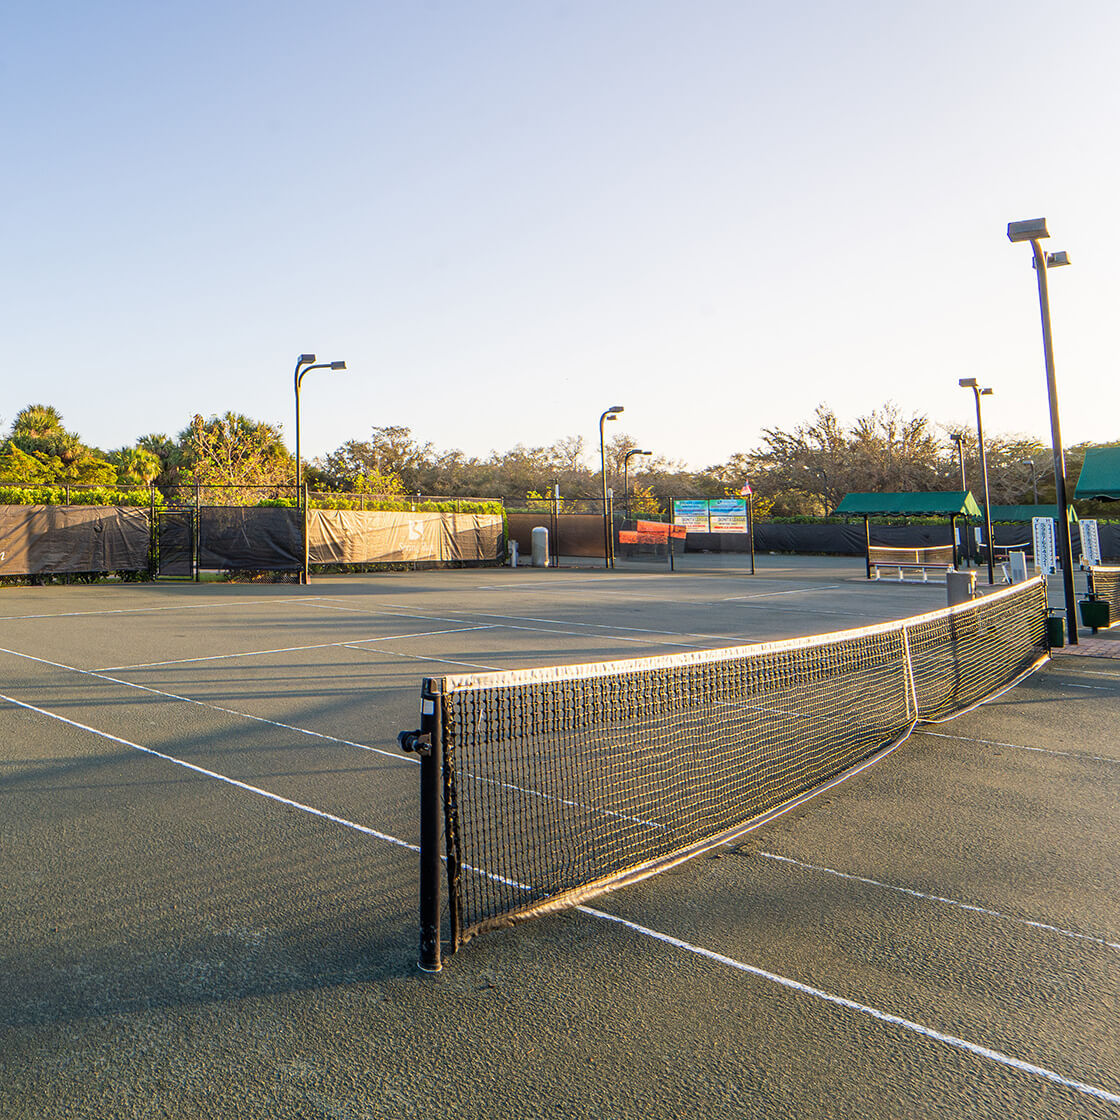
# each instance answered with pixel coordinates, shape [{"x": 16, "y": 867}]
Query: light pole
[
  {"x": 1034, "y": 230},
  {"x": 304, "y": 364},
  {"x": 971, "y": 383},
  {"x": 610, "y": 414},
  {"x": 958, "y": 439},
  {"x": 1029, "y": 464},
  {"x": 626, "y": 475}
]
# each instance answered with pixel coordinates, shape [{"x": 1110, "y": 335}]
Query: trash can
[
  {"x": 540, "y": 547},
  {"x": 1055, "y": 631},
  {"x": 1095, "y": 613}
]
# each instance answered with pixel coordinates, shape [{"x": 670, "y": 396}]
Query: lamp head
[
  {"x": 338, "y": 365},
  {"x": 1056, "y": 260},
  {"x": 985, "y": 392},
  {"x": 305, "y": 359},
  {"x": 1033, "y": 229},
  {"x": 967, "y": 382}
]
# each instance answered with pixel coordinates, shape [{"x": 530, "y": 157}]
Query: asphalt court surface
[{"x": 207, "y": 859}]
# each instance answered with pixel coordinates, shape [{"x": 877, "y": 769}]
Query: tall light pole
[
  {"x": 610, "y": 414},
  {"x": 1034, "y": 230},
  {"x": 971, "y": 383},
  {"x": 304, "y": 365},
  {"x": 626, "y": 475},
  {"x": 1029, "y": 464}
]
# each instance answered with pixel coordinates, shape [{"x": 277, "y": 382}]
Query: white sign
[
  {"x": 1045, "y": 544},
  {"x": 1090, "y": 544}
]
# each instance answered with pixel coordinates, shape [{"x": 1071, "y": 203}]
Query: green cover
[
  {"x": 1025, "y": 513},
  {"x": 1100, "y": 476},
  {"x": 931, "y": 504}
]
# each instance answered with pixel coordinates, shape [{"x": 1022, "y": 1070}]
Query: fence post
[{"x": 304, "y": 575}]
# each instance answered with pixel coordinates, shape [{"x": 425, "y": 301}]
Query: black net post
[
  {"x": 431, "y": 756},
  {"x": 867, "y": 542}
]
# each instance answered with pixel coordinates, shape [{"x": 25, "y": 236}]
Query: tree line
[{"x": 804, "y": 471}]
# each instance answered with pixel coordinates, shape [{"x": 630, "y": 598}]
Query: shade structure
[
  {"x": 952, "y": 503},
  {"x": 1100, "y": 476},
  {"x": 1026, "y": 513}
]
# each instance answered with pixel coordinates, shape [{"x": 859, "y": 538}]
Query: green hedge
[{"x": 56, "y": 496}]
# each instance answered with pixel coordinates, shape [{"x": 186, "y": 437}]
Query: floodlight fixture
[
  {"x": 338, "y": 365},
  {"x": 608, "y": 534},
  {"x": 977, "y": 392},
  {"x": 1032, "y": 229},
  {"x": 305, "y": 359}
]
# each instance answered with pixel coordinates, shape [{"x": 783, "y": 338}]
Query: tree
[
  {"x": 37, "y": 429},
  {"x": 136, "y": 466},
  {"x": 234, "y": 451}
]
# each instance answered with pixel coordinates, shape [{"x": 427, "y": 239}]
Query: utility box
[
  {"x": 540, "y": 547},
  {"x": 961, "y": 587}
]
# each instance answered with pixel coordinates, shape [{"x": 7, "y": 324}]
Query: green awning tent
[
  {"x": 1026, "y": 513},
  {"x": 1100, "y": 476},
  {"x": 952, "y": 503}
]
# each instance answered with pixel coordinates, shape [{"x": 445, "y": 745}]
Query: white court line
[
  {"x": 216, "y": 776},
  {"x": 440, "y": 660},
  {"x": 709, "y": 954},
  {"x": 863, "y": 1009},
  {"x": 1020, "y": 747},
  {"x": 351, "y": 643},
  {"x": 614, "y": 630},
  {"x": 947, "y": 901},
  {"x": 102, "y": 676},
  {"x": 153, "y": 610},
  {"x": 774, "y": 594}
]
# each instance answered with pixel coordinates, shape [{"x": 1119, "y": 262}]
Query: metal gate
[{"x": 175, "y": 532}]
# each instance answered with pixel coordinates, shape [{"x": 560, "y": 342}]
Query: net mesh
[
  {"x": 561, "y": 783},
  {"x": 929, "y": 554},
  {"x": 1104, "y": 583}
]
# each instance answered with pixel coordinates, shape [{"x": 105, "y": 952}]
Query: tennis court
[{"x": 210, "y": 873}]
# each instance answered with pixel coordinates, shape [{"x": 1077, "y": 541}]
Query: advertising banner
[
  {"x": 727, "y": 515},
  {"x": 692, "y": 513}
]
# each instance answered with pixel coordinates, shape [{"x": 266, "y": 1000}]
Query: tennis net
[
  {"x": 561, "y": 783},
  {"x": 1104, "y": 583}
]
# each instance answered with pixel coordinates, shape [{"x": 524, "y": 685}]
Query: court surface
[{"x": 208, "y": 866}]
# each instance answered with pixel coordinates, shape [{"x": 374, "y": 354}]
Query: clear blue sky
[{"x": 507, "y": 215}]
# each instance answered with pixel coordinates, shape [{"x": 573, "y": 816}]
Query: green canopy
[
  {"x": 1025, "y": 513},
  {"x": 1100, "y": 476},
  {"x": 954, "y": 503}
]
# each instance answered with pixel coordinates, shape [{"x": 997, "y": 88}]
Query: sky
[{"x": 508, "y": 215}]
